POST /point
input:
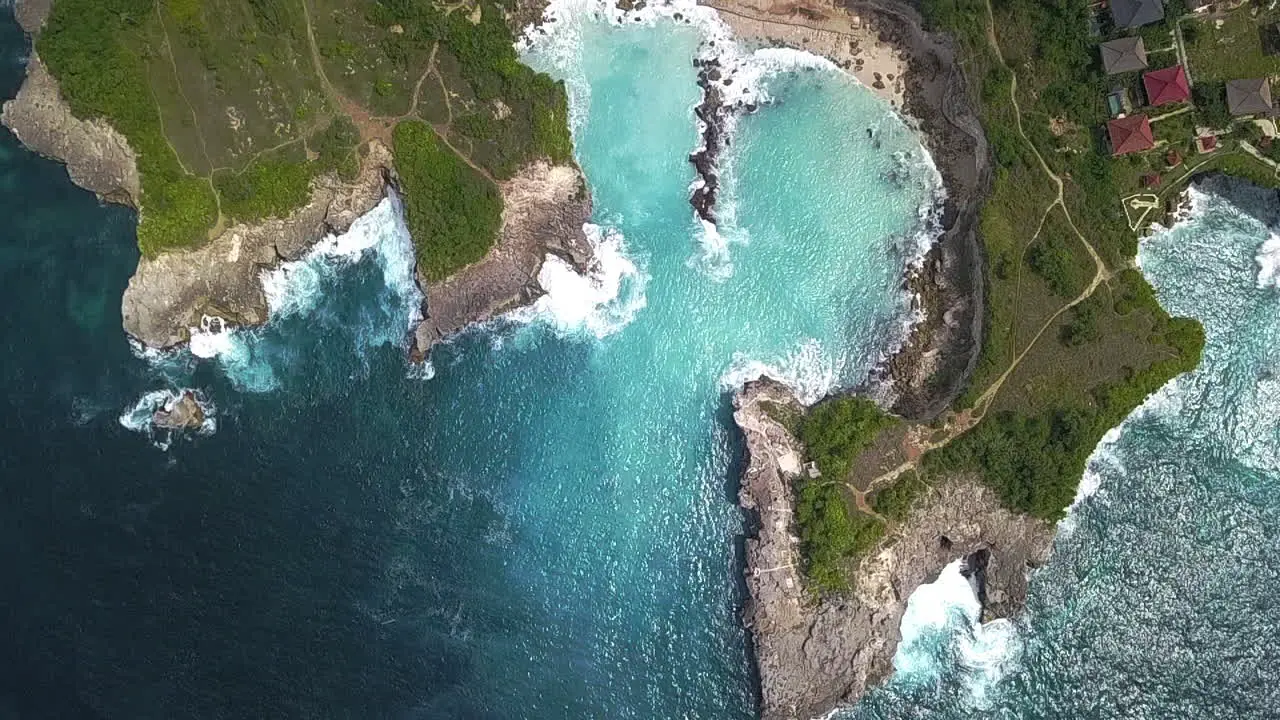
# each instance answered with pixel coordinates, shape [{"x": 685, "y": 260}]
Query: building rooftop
[
  {"x": 1135, "y": 13},
  {"x": 1130, "y": 134},
  {"x": 1124, "y": 54},
  {"x": 1166, "y": 85},
  {"x": 1249, "y": 97}
]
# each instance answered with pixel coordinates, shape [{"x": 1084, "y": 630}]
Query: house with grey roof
[
  {"x": 1136, "y": 13},
  {"x": 1249, "y": 97},
  {"x": 1125, "y": 54}
]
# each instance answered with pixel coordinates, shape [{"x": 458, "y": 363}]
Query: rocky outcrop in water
[
  {"x": 182, "y": 413},
  {"x": 816, "y": 654},
  {"x": 544, "y": 209},
  {"x": 172, "y": 293},
  {"x": 715, "y": 114}
]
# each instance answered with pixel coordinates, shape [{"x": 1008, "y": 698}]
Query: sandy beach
[{"x": 823, "y": 29}]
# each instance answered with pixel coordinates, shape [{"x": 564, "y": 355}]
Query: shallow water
[{"x": 544, "y": 527}]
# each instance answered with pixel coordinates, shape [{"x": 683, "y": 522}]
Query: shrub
[
  {"x": 1053, "y": 261},
  {"x": 100, "y": 76},
  {"x": 895, "y": 501},
  {"x": 835, "y": 431},
  {"x": 453, "y": 211},
  {"x": 830, "y": 534},
  {"x": 268, "y": 187}
]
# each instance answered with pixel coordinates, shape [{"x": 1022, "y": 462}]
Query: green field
[
  {"x": 1233, "y": 50},
  {"x": 235, "y": 106}
]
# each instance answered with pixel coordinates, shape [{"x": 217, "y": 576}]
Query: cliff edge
[
  {"x": 816, "y": 653},
  {"x": 97, "y": 157},
  {"x": 544, "y": 207}
]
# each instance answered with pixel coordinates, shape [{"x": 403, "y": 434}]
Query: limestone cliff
[
  {"x": 816, "y": 654},
  {"x": 171, "y": 293},
  {"x": 544, "y": 209},
  {"x": 98, "y": 158}
]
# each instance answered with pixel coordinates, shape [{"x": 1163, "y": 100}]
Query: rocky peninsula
[
  {"x": 814, "y": 652},
  {"x": 180, "y": 290}
]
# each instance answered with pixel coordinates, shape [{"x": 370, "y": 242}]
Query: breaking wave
[
  {"x": 942, "y": 628},
  {"x": 140, "y": 417},
  {"x": 599, "y": 302},
  {"x": 254, "y": 358},
  {"x": 808, "y": 370}
]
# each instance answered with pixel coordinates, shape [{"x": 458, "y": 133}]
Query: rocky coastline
[
  {"x": 884, "y": 44},
  {"x": 219, "y": 282},
  {"x": 816, "y": 654}
]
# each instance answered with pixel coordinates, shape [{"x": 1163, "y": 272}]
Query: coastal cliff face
[
  {"x": 174, "y": 292},
  {"x": 816, "y": 654},
  {"x": 219, "y": 282},
  {"x": 98, "y": 158},
  {"x": 934, "y": 365},
  {"x": 544, "y": 209}
]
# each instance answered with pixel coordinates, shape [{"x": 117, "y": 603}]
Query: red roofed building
[
  {"x": 1130, "y": 134},
  {"x": 1166, "y": 85}
]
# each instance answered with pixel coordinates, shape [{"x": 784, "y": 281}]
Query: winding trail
[
  {"x": 964, "y": 421},
  {"x": 366, "y": 121}
]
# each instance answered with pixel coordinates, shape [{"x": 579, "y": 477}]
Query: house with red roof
[
  {"x": 1166, "y": 85},
  {"x": 1130, "y": 134}
]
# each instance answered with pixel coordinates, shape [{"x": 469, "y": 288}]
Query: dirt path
[
  {"x": 177, "y": 81},
  {"x": 371, "y": 126},
  {"x": 962, "y": 422}
]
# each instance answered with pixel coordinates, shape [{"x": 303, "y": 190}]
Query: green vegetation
[
  {"x": 1083, "y": 327},
  {"x": 233, "y": 109},
  {"x": 831, "y": 534},
  {"x": 1233, "y": 50},
  {"x": 1052, "y": 259},
  {"x": 86, "y": 45},
  {"x": 835, "y": 431},
  {"x": 1035, "y": 460},
  {"x": 895, "y": 501},
  {"x": 453, "y": 211},
  {"x": 267, "y": 188},
  {"x": 1211, "y": 103},
  {"x": 1094, "y": 363},
  {"x": 512, "y": 115}
]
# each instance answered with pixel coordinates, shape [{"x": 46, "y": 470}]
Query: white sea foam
[
  {"x": 1268, "y": 258},
  {"x": 600, "y": 302},
  {"x": 943, "y": 622},
  {"x": 139, "y": 417},
  {"x": 295, "y": 288},
  {"x": 808, "y": 370}
]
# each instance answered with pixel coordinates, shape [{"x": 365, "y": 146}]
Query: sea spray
[
  {"x": 942, "y": 628},
  {"x": 600, "y": 301},
  {"x": 140, "y": 417},
  {"x": 254, "y": 358}
]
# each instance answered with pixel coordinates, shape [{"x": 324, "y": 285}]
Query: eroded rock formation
[
  {"x": 170, "y": 294},
  {"x": 815, "y": 654},
  {"x": 544, "y": 209}
]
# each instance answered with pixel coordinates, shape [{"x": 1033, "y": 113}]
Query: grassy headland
[
  {"x": 235, "y": 106},
  {"x": 1074, "y": 337}
]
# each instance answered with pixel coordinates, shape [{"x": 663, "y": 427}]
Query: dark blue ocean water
[{"x": 546, "y": 527}]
